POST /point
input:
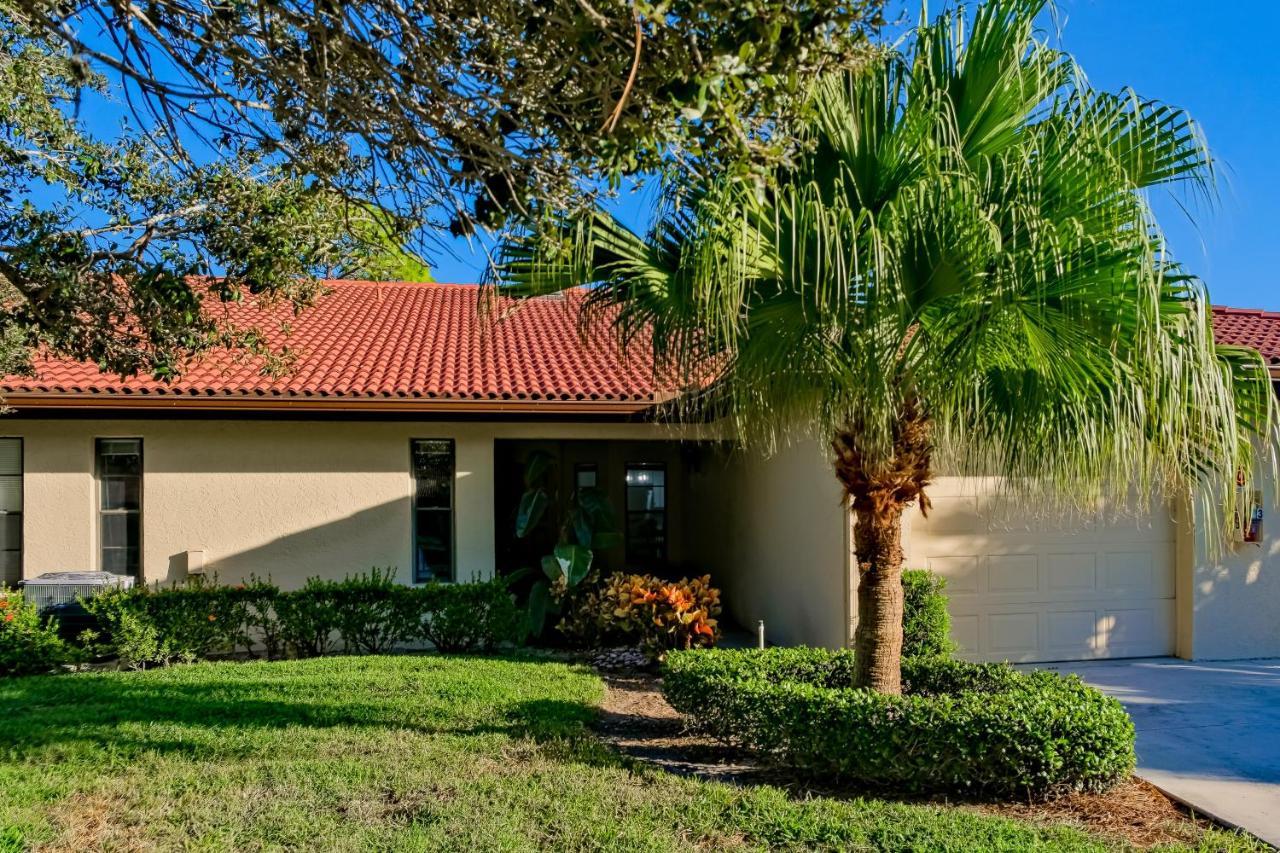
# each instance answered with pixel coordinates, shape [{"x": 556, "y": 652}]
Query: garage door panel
[
  {"x": 965, "y": 633},
  {"x": 1013, "y": 634},
  {"x": 1073, "y": 572},
  {"x": 963, "y": 573},
  {"x": 1013, "y": 573}
]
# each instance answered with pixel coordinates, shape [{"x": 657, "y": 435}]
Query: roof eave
[{"x": 325, "y": 405}]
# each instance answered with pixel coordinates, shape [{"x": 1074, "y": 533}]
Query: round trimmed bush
[{"x": 979, "y": 729}]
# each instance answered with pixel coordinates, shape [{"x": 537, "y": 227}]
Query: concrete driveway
[{"x": 1208, "y": 732}]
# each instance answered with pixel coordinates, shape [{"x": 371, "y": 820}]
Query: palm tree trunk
[
  {"x": 877, "y": 640},
  {"x": 879, "y": 494}
]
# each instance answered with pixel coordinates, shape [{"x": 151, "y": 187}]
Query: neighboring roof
[
  {"x": 1249, "y": 327},
  {"x": 393, "y": 346}
]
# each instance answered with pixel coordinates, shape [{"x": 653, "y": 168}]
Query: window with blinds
[
  {"x": 433, "y": 475},
  {"x": 119, "y": 469},
  {"x": 10, "y": 510}
]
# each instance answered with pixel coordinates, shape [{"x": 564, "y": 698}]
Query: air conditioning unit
[{"x": 52, "y": 589}]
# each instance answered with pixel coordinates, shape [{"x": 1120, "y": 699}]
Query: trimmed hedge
[
  {"x": 365, "y": 614},
  {"x": 926, "y": 622},
  {"x": 28, "y": 644},
  {"x": 973, "y": 729}
]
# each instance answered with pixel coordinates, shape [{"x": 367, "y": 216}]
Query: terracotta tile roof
[
  {"x": 366, "y": 342},
  {"x": 369, "y": 341},
  {"x": 1250, "y": 327}
]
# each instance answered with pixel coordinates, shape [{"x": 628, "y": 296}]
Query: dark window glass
[
  {"x": 10, "y": 510},
  {"x": 433, "y": 476},
  {"x": 119, "y": 466},
  {"x": 586, "y": 476},
  {"x": 646, "y": 514}
]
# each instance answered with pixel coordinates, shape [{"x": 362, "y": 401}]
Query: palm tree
[{"x": 961, "y": 271}]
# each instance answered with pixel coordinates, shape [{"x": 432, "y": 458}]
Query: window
[
  {"x": 586, "y": 475},
  {"x": 646, "y": 514},
  {"x": 119, "y": 464},
  {"x": 10, "y": 510},
  {"x": 433, "y": 474}
]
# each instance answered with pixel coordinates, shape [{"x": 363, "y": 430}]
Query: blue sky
[{"x": 1215, "y": 60}]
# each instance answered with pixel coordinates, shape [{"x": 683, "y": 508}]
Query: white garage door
[{"x": 1039, "y": 589}]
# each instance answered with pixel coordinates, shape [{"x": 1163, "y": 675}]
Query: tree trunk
[
  {"x": 878, "y": 494},
  {"x": 877, "y": 640}
]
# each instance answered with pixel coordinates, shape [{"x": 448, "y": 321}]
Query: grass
[{"x": 399, "y": 753}]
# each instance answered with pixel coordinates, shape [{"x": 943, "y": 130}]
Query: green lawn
[{"x": 395, "y": 753}]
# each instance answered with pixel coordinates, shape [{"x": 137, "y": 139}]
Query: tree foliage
[
  {"x": 468, "y": 109},
  {"x": 961, "y": 271},
  {"x": 100, "y": 238},
  {"x": 966, "y": 230}
]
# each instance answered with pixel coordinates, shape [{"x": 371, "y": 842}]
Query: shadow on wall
[
  {"x": 257, "y": 447},
  {"x": 375, "y": 536}
]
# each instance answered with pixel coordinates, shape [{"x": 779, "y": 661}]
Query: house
[{"x": 397, "y": 438}]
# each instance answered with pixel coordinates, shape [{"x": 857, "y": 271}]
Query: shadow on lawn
[{"x": 105, "y": 710}]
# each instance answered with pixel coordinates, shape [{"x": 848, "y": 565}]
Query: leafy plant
[
  {"x": 660, "y": 615},
  {"x": 926, "y": 622},
  {"x": 972, "y": 729},
  {"x": 469, "y": 616},
  {"x": 369, "y": 613},
  {"x": 28, "y": 645},
  {"x": 374, "y": 613},
  {"x": 309, "y": 618},
  {"x": 587, "y": 525}
]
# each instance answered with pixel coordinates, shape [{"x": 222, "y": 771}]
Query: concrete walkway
[{"x": 1208, "y": 732}]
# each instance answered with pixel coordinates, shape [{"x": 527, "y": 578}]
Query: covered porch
[{"x": 770, "y": 531}]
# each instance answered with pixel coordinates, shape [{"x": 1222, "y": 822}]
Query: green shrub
[
  {"x": 369, "y": 613},
  {"x": 975, "y": 729},
  {"x": 461, "y": 617},
  {"x": 27, "y": 644},
  {"x": 926, "y": 623},
  {"x": 309, "y": 618},
  {"x": 196, "y": 619}
]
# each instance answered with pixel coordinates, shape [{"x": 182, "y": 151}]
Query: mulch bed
[{"x": 637, "y": 720}]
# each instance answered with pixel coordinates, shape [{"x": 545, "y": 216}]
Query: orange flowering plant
[
  {"x": 27, "y": 644},
  {"x": 664, "y": 615}
]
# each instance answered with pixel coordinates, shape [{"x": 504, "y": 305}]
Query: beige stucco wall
[
  {"x": 775, "y": 537},
  {"x": 294, "y": 499},
  {"x": 285, "y": 499},
  {"x": 1234, "y": 592}
]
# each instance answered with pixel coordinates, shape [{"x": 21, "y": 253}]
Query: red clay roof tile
[
  {"x": 1250, "y": 327},
  {"x": 371, "y": 340},
  {"x": 378, "y": 340}
]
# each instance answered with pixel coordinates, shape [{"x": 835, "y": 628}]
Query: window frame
[
  {"x": 98, "y": 441},
  {"x": 22, "y": 498},
  {"x": 665, "y": 557},
  {"x": 452, "y": 510}
]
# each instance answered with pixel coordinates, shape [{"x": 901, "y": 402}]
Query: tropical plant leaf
[
  {"x": 535, "y": 467},
  {"x": 575, "y": 562},
  {"x": 581, "y": 526},
  {"x": 533, "y": 504},
  {"x": 597, "y": 508},
  {"x": 551, "y": 568},
  {"x": 540, "y": 604},
  {"x": 604, "y": 540},
  {"x": 514, "y": 577}
]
